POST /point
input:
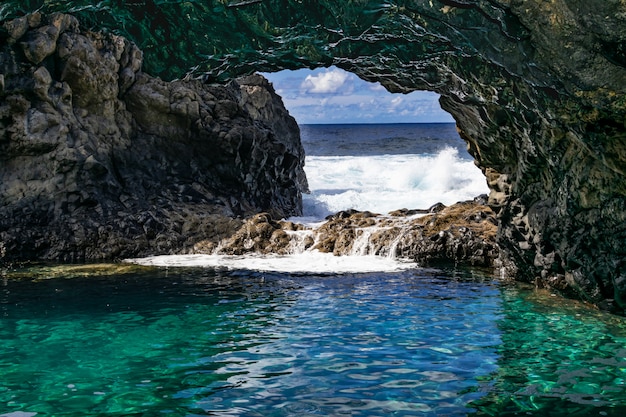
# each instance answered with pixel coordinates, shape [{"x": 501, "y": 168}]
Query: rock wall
[{"x": 99, "y": 160}]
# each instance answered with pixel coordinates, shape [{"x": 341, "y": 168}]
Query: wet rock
[
  {"x": 407, "y": 212},
  {"x": 436, "y": 208},
  {"x": 259, "y": 234},
  {"x": 40, "y": 43},
  {"x": 464, "y": 233}
]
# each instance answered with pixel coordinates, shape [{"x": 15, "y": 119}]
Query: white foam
[
  {"x": 313, "y": 262},
  {"x": 383, "y": 183}
]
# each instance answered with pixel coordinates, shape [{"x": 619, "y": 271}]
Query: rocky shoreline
[
  {"x": 463, "y": 233},
  {"x": 100, "y": 160}
]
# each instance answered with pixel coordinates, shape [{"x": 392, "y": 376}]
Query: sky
[{"x": 332, "y": 95}]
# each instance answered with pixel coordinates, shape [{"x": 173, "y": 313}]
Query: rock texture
[
  {"x": 537, "y": 89},
  {"x": 99, "y": 160},
  {"x": 463, "y": 233}
]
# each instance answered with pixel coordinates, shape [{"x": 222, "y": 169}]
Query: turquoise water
[{"x": 198, "y": 342}]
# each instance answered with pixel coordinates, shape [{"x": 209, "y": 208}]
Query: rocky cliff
[
  {"x": 99, "y": 160},
  {"x": 538, "y": 90}
]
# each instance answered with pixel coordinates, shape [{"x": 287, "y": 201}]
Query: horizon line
[{"x": 378, "y": 123}]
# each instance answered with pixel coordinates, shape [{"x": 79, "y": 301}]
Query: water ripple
[{"x": 201, "y": 342}]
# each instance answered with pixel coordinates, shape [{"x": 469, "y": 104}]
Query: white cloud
[
  {"x": 396, "y": 101},
  {"x": 334, "y": 96},
  {"x": 328, "y": 82}
]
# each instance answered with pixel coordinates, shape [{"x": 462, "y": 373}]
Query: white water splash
[
  {"x": 378, "y": 183},
  {"x": 310, "y": 262},
  {"x": 366, "y": 254},
  {"x": 383, "y": 183}
]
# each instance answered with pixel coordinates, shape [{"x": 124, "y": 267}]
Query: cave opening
[
  {"x": 370, "y": 149},
  {"x": 532, "y": 109}
]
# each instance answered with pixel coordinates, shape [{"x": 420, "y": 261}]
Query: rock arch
[{"x": 537, "y": 90}]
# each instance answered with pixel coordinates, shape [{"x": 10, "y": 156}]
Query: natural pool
[{"x": 198, "y": 342}]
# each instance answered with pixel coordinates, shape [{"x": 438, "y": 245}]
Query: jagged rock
[
  {"x": 99, "y": 160},
  {"x": 259, "y": 100},
  {"x": 462, "y": 233},
  {"x": 259, "y": 234}
]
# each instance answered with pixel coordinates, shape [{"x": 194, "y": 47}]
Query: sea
[
  {"x": 311, "y": 334},
  {"x": 385, "y": 167}
]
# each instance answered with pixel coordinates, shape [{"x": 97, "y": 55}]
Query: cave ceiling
[{"x": 407, "y": 45}]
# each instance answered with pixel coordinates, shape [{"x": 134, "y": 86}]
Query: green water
[{"x": 197, "y": 342}]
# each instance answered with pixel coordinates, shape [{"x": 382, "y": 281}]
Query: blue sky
[{"x": 331, "y": 95}]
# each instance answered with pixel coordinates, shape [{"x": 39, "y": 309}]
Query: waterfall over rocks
[{"x": 461, "y": 233}]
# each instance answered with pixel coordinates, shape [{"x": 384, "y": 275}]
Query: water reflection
[
  {"x": 201, "y": 342},
  {"x": 558, "y": 357}
]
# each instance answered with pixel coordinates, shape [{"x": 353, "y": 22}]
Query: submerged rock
[{"x": 99, "y": 160}]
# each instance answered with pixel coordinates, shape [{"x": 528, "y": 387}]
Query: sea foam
[
  {"x": 310, "y": 262},
  {"x": 378, "y": 183},
  {"x": 383, "y": 183}
]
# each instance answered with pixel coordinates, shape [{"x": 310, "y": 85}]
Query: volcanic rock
[
  {"x": 536, "y": 87},
  {"x": 98, "y": 160},
  {"x": 463, "y": 233}
]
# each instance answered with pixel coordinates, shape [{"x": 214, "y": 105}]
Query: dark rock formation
[
  {"x": 537, "y": 89},
  {"x": 462, "y": 233},
  {"x": 99, "y": 160}
]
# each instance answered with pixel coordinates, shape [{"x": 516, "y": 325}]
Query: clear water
[
  {"x": 235, "y": 337},
  {"x": 198, "y": 342}
]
